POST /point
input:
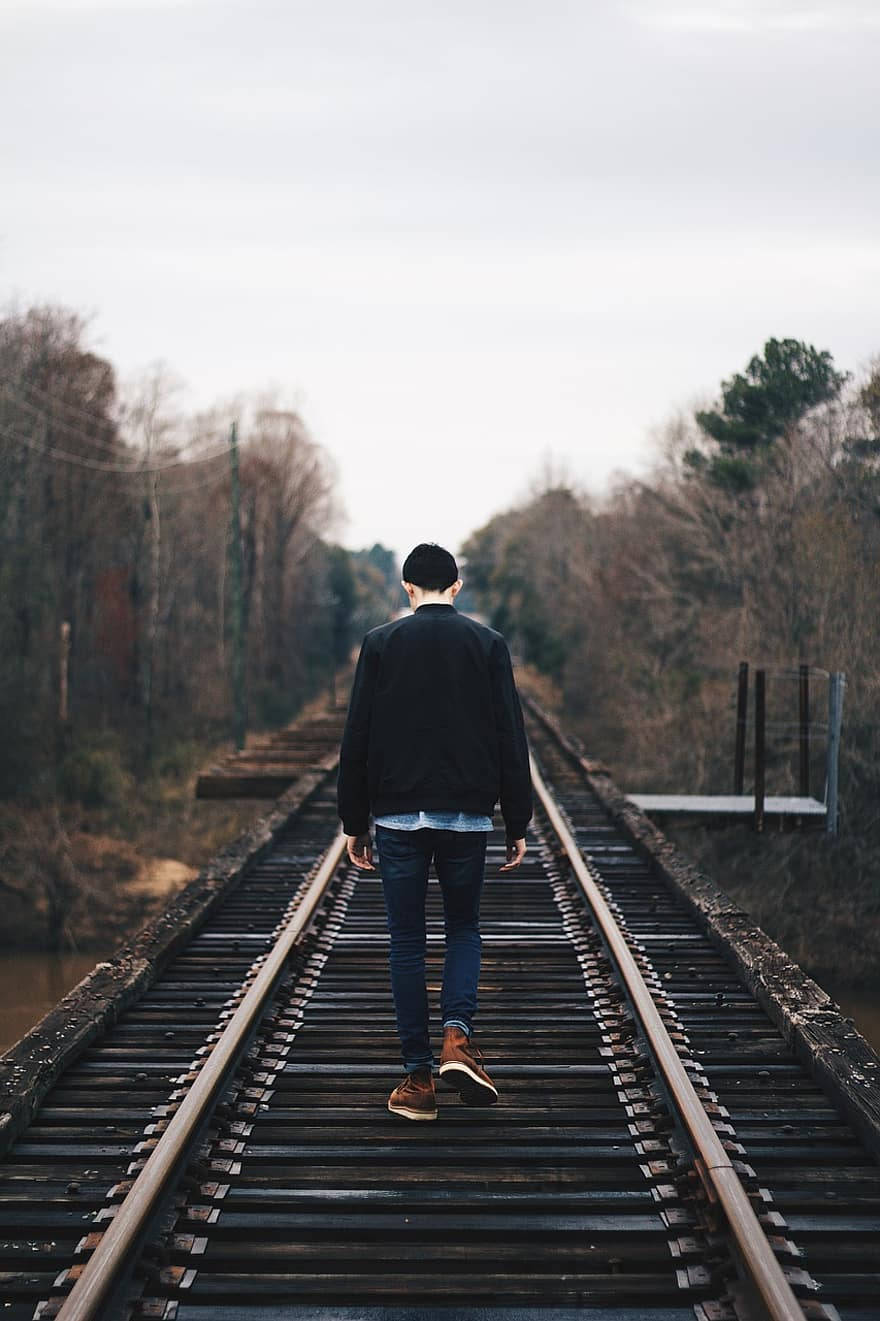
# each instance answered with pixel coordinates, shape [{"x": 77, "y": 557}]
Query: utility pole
[{"x": 237, "y": 591}]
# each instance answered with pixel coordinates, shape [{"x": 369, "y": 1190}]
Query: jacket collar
[{"x": 434, "y": 605}]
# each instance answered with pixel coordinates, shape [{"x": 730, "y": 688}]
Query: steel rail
[
  {"x": 751, "y": 1240},
  {"x": 110, "y": 1256}
]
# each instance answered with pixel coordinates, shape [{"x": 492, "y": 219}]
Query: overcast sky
[{"x": 460, "y": 235}]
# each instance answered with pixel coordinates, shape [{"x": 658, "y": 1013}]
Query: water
[
  {"x": 31, "y": 984},
  {"x": 861, "y": 1006}
]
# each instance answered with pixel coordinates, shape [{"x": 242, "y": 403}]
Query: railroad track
[{"x": 225, "y": 1151}]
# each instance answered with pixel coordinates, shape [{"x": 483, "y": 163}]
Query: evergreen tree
[{"x": 759, "y": 405}]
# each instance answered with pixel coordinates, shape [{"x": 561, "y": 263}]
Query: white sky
[{"x": 458, "y": 236}]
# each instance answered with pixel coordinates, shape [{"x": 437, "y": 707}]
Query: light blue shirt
[{"x": 435, "y": 821}]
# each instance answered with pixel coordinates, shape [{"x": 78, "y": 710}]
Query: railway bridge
[{"x": 688, "y": 1129}]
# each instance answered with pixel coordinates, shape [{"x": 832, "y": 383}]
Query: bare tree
[{"x": 154, "y": 429}]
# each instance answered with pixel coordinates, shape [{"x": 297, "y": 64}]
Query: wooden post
[
  {"x": 836, "y": 685},
  {"x": 804, "y": 723},
  {"x": 760, "y": 718},
  {"x": 742, "y": 700}
]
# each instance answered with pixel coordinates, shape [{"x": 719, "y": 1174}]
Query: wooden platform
[
  {"x": 270, "y": 763},
  {"x": 730, "y": 807}
]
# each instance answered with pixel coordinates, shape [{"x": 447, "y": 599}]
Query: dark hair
[{"x": 430, "y": 567}]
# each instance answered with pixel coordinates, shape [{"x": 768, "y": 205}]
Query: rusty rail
[
  {"x": 104, "y": 1267},
  {"x": 715, "y": 1165}
]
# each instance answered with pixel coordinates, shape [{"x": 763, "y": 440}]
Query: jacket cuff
[
  {"x": 356, "y": 826},
  {"x": 515, "y": 829}
]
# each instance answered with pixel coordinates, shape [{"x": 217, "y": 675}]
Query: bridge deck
[
  {"x": 726, "y": 805},
  {"x": 572, "y": 1193}
]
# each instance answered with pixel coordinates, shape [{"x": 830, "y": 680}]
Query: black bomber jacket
[{"x": 434, "y": 724}]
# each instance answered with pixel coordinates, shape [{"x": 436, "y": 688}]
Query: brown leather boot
[
  {"x": 415, "y": 1098},
  {"x": 461, "y": 1068}
]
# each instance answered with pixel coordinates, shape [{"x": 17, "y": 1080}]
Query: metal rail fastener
[
  {"x": 113, "y": 1252},
  {"x": 757, "y": 1254}
]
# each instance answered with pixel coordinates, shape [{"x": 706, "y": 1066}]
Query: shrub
[
  {"x": 177, "y": 760},
  {"x": 94, "y": 777}
]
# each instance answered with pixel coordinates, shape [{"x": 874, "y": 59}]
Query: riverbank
[
  {"x": 799, "y": 887},
  {"x": 79, "y": 877},
  {"x": 81, "y": 874}
]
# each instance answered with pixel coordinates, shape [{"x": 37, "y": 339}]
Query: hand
[
  {"x": 516, "y": 851},
  {"x": 360, "y": 851}
]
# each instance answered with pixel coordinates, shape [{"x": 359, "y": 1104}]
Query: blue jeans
[{"x": 460, "y": 859}]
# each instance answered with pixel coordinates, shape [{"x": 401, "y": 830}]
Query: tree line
[
  {"x": 115, "y": 552},
  {"x": 757, "y": 536}
]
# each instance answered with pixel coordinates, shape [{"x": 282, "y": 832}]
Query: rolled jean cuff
[
  {"x": 457, "y": 1022},
  {"x": 425, "y": 1062}
]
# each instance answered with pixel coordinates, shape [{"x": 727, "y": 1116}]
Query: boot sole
[
  {"x": 411, "y": 1114},
  {"x": 473, "y": 1089}
]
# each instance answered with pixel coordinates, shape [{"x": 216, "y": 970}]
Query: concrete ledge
[
  {"x": 33, "y": 1064},
  {"x": 811, "y": 1023}
]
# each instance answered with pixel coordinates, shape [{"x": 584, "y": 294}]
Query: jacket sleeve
[
  {"x": 516, "y": 780},
  {"x": 352, "y": 793}
]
